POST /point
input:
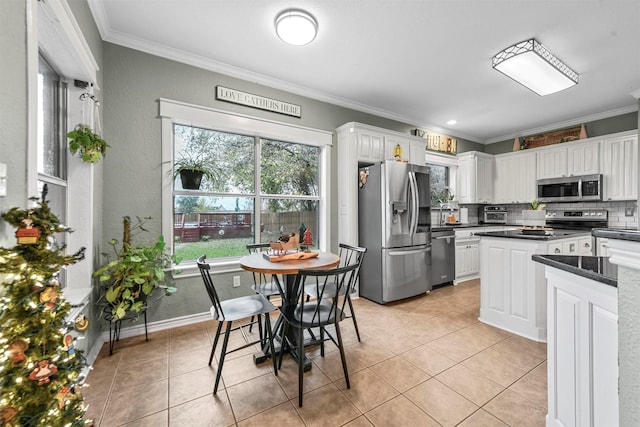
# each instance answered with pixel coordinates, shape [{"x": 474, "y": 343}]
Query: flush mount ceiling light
[
  {"x": 533, "y": 66},
  {"x": 296, "y": 27}
]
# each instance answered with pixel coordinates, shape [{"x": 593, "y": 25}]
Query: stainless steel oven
[{"x": 493, "y": 214}]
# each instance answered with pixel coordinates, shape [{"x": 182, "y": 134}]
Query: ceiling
[{"x": 422, "y": 62}]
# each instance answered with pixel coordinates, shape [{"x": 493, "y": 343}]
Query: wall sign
[
  {"x": 437, "y": 141},
  {"x": 256, "y": 101}
]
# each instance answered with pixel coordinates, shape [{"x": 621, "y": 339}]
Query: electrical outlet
[
  {"x": 628, "y": 211},
  {"x": 236, "y": 281}
]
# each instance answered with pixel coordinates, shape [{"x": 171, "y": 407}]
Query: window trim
[{"x": 175, "y": 112}]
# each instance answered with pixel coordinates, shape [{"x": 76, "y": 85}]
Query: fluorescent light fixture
[
  {"x": 533, "y": 66},
  {"x": 452, "y": 122},
  {"x": 296, "y": 27}
]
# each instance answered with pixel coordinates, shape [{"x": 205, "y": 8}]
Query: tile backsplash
[{"x": 618, "y": 212}]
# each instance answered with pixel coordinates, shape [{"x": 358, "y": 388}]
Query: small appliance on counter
[{"x": 490, "y": 214}]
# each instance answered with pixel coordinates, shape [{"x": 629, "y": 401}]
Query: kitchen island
[
  {"x": 513, "y": 294},
  {"x": 582, "y": 348}
]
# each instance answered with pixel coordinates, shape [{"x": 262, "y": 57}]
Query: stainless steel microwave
[{"x": 570, "y": 189}]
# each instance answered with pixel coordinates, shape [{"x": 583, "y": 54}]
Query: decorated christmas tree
[{"x": 39, "y": 367}]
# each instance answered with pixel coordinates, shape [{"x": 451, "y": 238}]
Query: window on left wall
[{"x": 51, "y": 146}]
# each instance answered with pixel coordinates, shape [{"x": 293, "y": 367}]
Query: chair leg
[
  {"x": 267, "y": 324},
  {"x": 283, "y": 342},
  {"x": 342, "y": 356},
  {"x": 222, "y": 356},
  {"x": 322, "y": 342},
  {"x": 300, "y": 365},
  {"x": 215, "y": 341},
  {"x": 253, "y": 319},
  {"x": 353, "y": 316}
]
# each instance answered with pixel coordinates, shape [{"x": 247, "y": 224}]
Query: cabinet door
[
  {"x": 417, "y": 152},
  {"x": 474, "y": 257},
  {"x": 552, "y": 163},
  {"x": 370, "y": 146},
  {"x": 524, "y": 178},
  {"x": 583, "y": 159},
  {"x": 390, "y": 143},
  {"x": 466, "y": 180},
  {"x": 484, "y": 180},
  {"x": 620, "y": 168},
  {"x": 505, "y": 186},
  {"x": 461, "y": 255}
]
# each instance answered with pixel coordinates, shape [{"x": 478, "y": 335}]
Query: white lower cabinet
[
  {"x": 467, "y": 259},
  {"x": 582, "y": 351}
]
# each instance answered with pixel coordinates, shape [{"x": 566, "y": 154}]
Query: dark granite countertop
[
  {"x": 592, "y": 267},
  {"x": 616, "y": 233},
  {"x": 459, "y": 226},
  {"x": 517, "y": 234}
]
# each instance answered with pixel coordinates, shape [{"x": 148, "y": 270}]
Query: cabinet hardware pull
[{"x": 557, "y": 251}]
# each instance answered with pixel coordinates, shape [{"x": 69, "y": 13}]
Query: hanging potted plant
[
  {"x": 191, "y": 170},
  {"x": 133, "y": 272},
  {"x": 88, "y": 144}
]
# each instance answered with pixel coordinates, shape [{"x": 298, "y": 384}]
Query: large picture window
[{"x": 252, "y": 189}]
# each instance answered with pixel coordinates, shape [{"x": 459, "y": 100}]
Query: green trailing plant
[
  {"x": 88, "y": 144},
  {"x": 134, "y": 271}
]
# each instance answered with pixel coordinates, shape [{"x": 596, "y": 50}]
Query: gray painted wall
[
  {"x": 134, "y": 81},
  {"x": 13, "y": 110}
]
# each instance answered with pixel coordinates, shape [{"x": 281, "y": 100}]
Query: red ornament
[{"x": 28, "y": 235}]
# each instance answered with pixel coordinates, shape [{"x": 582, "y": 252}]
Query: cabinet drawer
[{"x": 585, "y": 246}]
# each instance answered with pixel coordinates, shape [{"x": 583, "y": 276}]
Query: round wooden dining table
[{"x": 257, "y": 263}]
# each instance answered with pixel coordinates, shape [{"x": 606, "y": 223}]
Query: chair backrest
[
  {"x": 344, "y": 279},
  {"x": 352, "y": 255},
  {"x": 204, "y": 268},
  {"x": 255, "y": 248}
]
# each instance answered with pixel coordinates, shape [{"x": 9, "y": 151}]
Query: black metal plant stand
[{"x": 116, "y": 325}]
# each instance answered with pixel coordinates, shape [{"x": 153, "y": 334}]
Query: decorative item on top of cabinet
[{"x": 438, "y": 142}]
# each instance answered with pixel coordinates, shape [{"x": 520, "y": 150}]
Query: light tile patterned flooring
[{"x": 426, "y": 361}]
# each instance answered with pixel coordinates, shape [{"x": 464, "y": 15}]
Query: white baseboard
[{"x": 160, "y": 325}]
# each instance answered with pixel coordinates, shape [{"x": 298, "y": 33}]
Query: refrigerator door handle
[
  {"x": 413, "y": 188},
  {"x": 411, "y": 252}
]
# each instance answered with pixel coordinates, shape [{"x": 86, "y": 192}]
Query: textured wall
[{"x": 629, "y": 345}]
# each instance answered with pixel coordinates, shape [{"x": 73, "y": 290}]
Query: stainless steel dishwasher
[{"x": 443, "y": 256}]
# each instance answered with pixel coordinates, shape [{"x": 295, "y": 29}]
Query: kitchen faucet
[{"x": 443, "y": 206}]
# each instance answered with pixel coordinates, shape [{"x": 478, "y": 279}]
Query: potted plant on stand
[
  {"x": 131, "y": 275},
  {"x": 191, "y": 169}
]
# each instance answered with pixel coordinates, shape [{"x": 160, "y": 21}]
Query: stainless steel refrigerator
[{"x": 394, "y": 224}]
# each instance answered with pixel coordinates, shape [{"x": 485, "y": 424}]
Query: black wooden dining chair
[
  {"x": 262, "y": 283},
  {"x": 231, "y": 310},
  {"x": 324, "y": 311},
  {"x": 348, "y": 255}
]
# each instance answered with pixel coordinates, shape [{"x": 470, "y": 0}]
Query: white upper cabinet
[
  {"x": 620, "y": 167},
  {"x": 475, "y": 177},
  {"x": 515, "y": 177},
  {"x": 370, "y": 145},
  {"x": 583, "y": 158},
  {"x": 413, "y": 149},
  {"x": 569, "y": 159}
]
